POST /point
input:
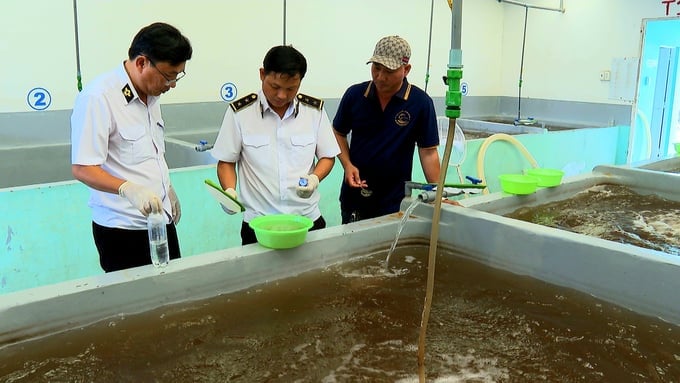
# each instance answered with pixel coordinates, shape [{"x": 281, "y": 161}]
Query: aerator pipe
[
  {"x": 456, "y": 18},
  {"x": 79, "y": 78},
  {"x": 284, "y": 22}
]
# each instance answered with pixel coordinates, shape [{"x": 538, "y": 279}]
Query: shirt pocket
[
  {"x": 303, "y": 150},
  {"x": 257, "y": 151},
  {"x": 255, "y": 141},
  {"x": 136, "y": 145}
]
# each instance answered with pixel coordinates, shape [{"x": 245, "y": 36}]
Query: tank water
[{"x": 158, "y": 240}]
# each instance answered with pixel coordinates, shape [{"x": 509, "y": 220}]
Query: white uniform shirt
[
  {"x": 111, "y": 127},
  {"x": 272, "y": 153}
]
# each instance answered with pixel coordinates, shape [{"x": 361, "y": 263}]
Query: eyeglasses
[{"x": 168, "y": 81}]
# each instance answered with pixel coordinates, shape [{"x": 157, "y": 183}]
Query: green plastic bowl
[
  {"x": 677, "y": 147},
  {"x": 546, "y": 177},
  {"x": 281, "y": 231},
  {"x": 518, "y": 183}
]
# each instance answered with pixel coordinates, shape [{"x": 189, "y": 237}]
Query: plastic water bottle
[
  {"x": 302, "y": 182},
  {"x": 158, "y": 240}
]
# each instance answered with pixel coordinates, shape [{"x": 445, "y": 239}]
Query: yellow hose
[
  {"x": 434, "y": 239},
  {"x": 502, "y": 137}
]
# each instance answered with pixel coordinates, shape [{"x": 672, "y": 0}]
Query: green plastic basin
[
  {"x": 546, "y": 177},
  {"x": 281, "y": 231},
  {"x": 518, "y": 183},
  {"x": 677, "y": 147}
]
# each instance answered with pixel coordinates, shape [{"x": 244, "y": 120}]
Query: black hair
[
  {"x": 286, "y": 60},
  {"x": 161, "y": 42}
]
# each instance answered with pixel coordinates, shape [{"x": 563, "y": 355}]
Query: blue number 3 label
[
  {"x": 228, "y": 92},
  {"x": 39, "y": 99}
]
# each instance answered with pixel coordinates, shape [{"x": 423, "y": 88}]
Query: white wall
[{"x": 564, "y": 52}]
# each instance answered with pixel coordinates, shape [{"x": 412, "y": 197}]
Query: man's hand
[
  {"x": 308, "y": 183},
  {"x": 174, "y": 203},
  {"x": 145, "y": 200},
  {"x": 352, "y": 177},
  {"x": 232, "y": 193}
]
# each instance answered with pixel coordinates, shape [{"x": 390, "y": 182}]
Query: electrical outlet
[{"x": 605, "y": 75}]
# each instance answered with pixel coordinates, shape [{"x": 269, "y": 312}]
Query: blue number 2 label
[
  {"x": 228, "y": 92},
  {"x": 39, "y": 98}
]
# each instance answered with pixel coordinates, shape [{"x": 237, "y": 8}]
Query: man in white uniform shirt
[
  {"x": 277, "y": 137},
  {"x": 118, "y": 147}
]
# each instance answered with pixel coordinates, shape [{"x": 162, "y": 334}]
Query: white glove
[
  {"x": 140, "y": 197},
  {"x": 232, "y": 193},
  {"x": 174, "y": 204},
  {"x": 308, "y": 183}
]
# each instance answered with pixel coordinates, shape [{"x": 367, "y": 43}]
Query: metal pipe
[
  {"x": 429, "y": 46},
  {"x": 75, "y": 25},
  {"x": 513, "y": 2},
  {"x": 284, "y": 22},
  {"x": 521, "y": 66},
  {"x": 456, "y": 21}
]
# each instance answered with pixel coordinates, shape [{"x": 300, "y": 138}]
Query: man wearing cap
[{"x": 386, "y": 117}]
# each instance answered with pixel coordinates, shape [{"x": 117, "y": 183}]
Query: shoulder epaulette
[
  {"x": 243, "y": 102},
  {"x": 127, "y": 93},
  {"x": 311, "y": 101}
]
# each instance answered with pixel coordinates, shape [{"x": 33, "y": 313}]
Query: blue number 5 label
[
  {"x": 39, "y": 98},
  {"x": 228, "y": 92}
]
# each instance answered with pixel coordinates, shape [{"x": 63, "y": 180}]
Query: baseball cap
[{"x": 392, "y": 52}]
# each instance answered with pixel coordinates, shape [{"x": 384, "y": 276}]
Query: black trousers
[
  {"x": 122, "y": 249},
  {"x": 248, "y": 234}
]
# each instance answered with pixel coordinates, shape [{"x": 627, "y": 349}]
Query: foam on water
[
  {"x": 614, "y": 213},
  {"x": 355, "y": 322}
]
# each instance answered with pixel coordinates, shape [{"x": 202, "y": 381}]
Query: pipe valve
[{"x": 203, "y": 146}]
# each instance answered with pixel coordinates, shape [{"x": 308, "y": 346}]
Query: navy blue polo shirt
[{"x": 382, "y": 143}]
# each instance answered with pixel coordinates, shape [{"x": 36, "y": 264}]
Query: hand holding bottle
[{"x": 307, "y": 184}]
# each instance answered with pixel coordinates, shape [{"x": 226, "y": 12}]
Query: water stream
[{"x": 404, "y": 219}]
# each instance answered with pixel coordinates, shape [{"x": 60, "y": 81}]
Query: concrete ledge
[{"x": 48, "y": 309}]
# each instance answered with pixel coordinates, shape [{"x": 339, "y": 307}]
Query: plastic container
[
  {"x": 302, "y": 182},
  {"x": 546, "y": 177},
  {"x": 677, "y": 147},
  {"x": 519, "y": 184},
  {"x": 158, "y": 240},
  {"x": 281, "y": 231}
]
